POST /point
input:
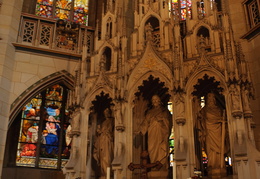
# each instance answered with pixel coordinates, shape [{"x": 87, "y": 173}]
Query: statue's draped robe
[
  {"x": 104, "y": 146},
  {"x": 213, "y": 135},
  {"x": 157, "y": 124}
]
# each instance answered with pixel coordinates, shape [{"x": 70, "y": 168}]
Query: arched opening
[
  {"x": 153, "y": 123},
  {"x": 106, "y": 59},
  {"x": 152, "y": 30},
  {"x": 211, "y": 139},
  {"x": 203, "y": 37},
  {"x": 101, "y": 135},
  {"x": 38, "y": 137},
  {"x": 109, "y": 29}
]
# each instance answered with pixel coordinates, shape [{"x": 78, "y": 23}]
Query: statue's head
[
  {"x": 156, "y": 101},
  {"x": 107, "y": 112},
  {"x": 211, "y": 99}
]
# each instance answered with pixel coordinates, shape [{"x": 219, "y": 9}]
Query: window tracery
[{"x": 253, "y": 12}]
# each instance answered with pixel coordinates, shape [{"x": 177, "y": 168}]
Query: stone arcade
[{"x": 130, "y": 89}]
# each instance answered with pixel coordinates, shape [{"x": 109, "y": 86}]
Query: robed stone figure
[
  {"x": 104, "y": 145},
  {"x": 212, "y": 135},
  {"x": 157, "y": 124}
]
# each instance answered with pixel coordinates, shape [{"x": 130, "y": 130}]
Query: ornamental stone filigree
[{"x": 150, "y": 63}]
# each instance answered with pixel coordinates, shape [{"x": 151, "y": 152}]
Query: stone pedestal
[
  {"x": 217, "y": 173},
  {"x": 158, "y": 174}
]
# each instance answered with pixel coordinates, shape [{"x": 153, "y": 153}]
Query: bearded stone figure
[
  {"x": 157, "y": 124},
  {"x": 212, "y": 138},
  {"x": 104, "y": 145}
]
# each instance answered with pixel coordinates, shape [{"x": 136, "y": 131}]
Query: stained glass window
[
  {"x": 181, "y": 8},
  {"x": 171, "y": 138},
  {"x": 63, "y": 8},
  {"x": 71, "y": 10},
  {"x": 44, "y": 8},
  {"x": 81, "y": 11},
  {"x": 43, "y": 139},
  {"x": 171, "y": 145}
]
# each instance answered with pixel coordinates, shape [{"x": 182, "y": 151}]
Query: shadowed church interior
[{"x": 130, "y": 89}]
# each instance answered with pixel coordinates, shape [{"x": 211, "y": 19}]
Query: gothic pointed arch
[
  {"x": 152, "y": 31},
  {"x": 203, "y": 36},
  {"x": 151, "y": 88},
  {"x": 149, "y": 63},
  {"x": 106, "y": 58},
  {"x": 61, "y": 77},
  {"x": 101, "y": 125},
  {"x": 38, "y": 135},
  {"x": 210, "y": 87}
]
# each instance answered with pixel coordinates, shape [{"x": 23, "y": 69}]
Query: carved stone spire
[
  {"x": 230, "y": 60},
  {"x": 242, "y": 65}
]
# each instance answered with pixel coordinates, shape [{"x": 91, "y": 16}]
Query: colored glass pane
[
  {"x": 183, "y": 14},
  {"x": 45, "y": 2},
  {"x": 185, "y": 7},
  {"x": 183, "y": 4},
  {"x": 44, "y": 8},
  {"x": 170, "y": 107},
  {"x": 63, "y": 8},
  {"x": 28, "y": 137},
  {"x": 81, "y": 11},
  {"x": 171, "y": 147},
  {"x": 175, "y": 6},
  {"x": 189, "y": 3}
]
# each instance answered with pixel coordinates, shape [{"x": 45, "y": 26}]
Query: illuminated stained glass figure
[{"x": 44, "y": 125}]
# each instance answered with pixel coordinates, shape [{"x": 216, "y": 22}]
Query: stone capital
[
  {"x": 180, "y": 121},
  {"x": 120, "y": 128},
  {"x": 237, "y": 114},
  {"x": 248, "y": 115}
]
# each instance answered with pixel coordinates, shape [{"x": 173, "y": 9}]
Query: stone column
[{"x": 10, "y": 11}]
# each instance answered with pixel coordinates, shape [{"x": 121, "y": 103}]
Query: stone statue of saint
[
  {"x": 179, "y": 102},
  {"x": 104, "y": 146},
  {"x": 157, "y": 124},
  {"x": 148, "y": 32},
  {"x": 234, "y": 93},
  {"x": 246, "y": 103},
  {"x": 211, "y": 122},
  {"x": 75, "y": 123}
]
